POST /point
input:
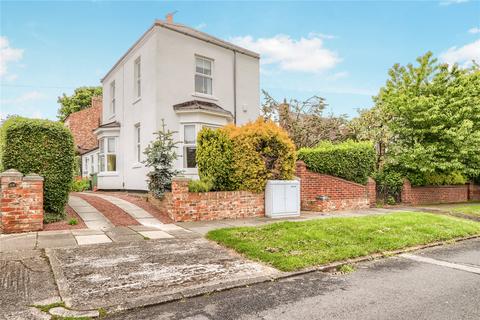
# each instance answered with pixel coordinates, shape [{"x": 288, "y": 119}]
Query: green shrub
[
  {"x": 214, "y": 158},
  {"x": 73, "y": 222},
  {"x": 79, "y": 185},
  {"x": 353, "y": 161},
  {"x": 202, "y": 185},
  {"x": 244, "y": 158},
  {"x": 43, "y": 147},
  {"x": 261, "y": 151},
  {"x": 389, "y": 185},
  {"x": 436, "y": 179}
]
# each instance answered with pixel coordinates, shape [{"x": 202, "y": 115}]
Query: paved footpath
[{"x": 90, "y": 215}]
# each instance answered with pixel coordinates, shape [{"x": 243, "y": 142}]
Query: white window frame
[
  {"x": 112, "y": 98},
  {"x": 137, "y": 76},
  {"x": 92, "y": 164},
  {"x": 137, "y": 143},
  {"x": 86, "y": 167},
  {"x": 203, "y": 75},
  {"x": 198, "y": 126},
  {"x": 104, "y": 152}
]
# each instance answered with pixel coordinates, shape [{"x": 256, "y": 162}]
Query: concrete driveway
[
  {"x": 129, "y": 275},
  {"x": 393, "y": 288}
]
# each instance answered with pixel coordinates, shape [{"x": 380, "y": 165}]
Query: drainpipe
[{"x": 235, "y": 87}]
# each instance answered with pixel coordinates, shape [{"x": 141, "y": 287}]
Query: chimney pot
[{"x": 169, "y": 18}]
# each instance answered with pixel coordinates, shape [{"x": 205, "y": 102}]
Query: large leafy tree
[
  {"x": 79, "y": 100},
  {"x": 304, "y": 121},
  {"x": 428, "y": 118}
]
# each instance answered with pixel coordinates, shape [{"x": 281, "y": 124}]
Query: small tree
[
  {"x": 304, "y": 121},
  {"x": 160, "y": 158}
]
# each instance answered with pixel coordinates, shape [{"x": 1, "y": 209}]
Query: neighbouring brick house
[{"x": 82, "y": 123}]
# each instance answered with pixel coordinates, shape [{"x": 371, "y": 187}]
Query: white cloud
[
  {"x": 462, "y": 55},
  {"x": 305, "y": 54},
  {"x": 474, "y": 30},
  {"x": 449, "y": 2},
  {"x": 8, "y": 55},
  {"x": 23, "y": 99}
]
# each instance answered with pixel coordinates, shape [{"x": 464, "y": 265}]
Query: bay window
[
  {"x": 190, "y": 132},
  {"x": 107, "y": 159}
]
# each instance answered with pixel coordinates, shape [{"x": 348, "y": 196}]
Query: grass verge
[
  {"x": 469, "y": 209},
  {"x": 291, "y": 246}
]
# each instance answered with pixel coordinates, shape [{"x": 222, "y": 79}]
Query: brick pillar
[
  {"x": 471, "y": 190},
  {"x": 372, "y": 192},
  {"x": 406, "y": 192},
  {"x": 301, "y": 169},
  {"x": 179, "y": 194},
  {"x": 21, "y": 202}
]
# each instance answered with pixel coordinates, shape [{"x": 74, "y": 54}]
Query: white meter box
[{"x": 282, "y": 198}]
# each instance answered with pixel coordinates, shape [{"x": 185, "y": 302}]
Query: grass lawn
[
  {"x": 292, "y": 246},
  {"x": 468, "y": 209}
]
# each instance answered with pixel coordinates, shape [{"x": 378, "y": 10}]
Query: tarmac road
[{"x": 437, "y": 283}]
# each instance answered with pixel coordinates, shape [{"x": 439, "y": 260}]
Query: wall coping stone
[
  {"x": 33, "y": 177},
  {"x": 11, "y": 173}
]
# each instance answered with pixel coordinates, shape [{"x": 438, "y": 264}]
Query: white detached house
[{"x": 186, "y": 77}]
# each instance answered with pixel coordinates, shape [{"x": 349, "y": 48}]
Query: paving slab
[
  {"x": 25, "y": 279},
  {"x": 17, "y": 242},
  {"x": 123, "y": 234},
  {"x": 55, "y": 240},
  {"x": 147, "y": 272},
  {"x": 86, "y": 232},
  {"x": 66, "y": 313},
  {"x": 90, "y": 215},
  {"x": 157, "y": 234},
  {"x": 92, "y": 239}
]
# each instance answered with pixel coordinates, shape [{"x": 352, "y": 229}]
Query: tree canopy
[
  {"x": 79, "y": 100},
  {"x": 427, "y": 120}
]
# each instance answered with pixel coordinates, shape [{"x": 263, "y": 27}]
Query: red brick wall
[
  {"x": 182, "y": 206},
  {"x": 473, "y": 192},
  {"x": 342, "y": 194},
  {"x": 21, "y": 202},
  {"x": 436, "y": 194},
  {"x": 82, "y": 124}
]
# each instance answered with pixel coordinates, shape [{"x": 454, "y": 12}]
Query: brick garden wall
[
  {"x": 183, "y": 206},
  {"x": 439, "y": 194},
  {"x": 21, "y": 202},
  {"x": 341, "y": 194}
]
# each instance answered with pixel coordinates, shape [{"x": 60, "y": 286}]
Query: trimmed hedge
[
  {"x": 44, "y": 147},
  {"x": 353, "y": 161},
  {"x": 244, "y": 158}
]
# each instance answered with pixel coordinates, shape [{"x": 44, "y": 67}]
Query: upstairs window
[
  {"x": 203, "y": 75},
  {"x": 112, "y": 98},
  {"x": 137, "y": 78}
]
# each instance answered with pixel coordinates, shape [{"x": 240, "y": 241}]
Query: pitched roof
[
  {"x": 205, "y": 37},
  {"x": 188, "y": 31},
  {"x": 201, "y": 105}
]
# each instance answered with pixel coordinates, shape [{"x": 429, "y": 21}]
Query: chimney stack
[{"x": 169, "y": 17}]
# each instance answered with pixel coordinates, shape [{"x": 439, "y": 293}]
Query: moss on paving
[{"x": 292, "y": 246}]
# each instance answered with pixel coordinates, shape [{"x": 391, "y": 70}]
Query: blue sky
[{"x": 338, "y": 50}]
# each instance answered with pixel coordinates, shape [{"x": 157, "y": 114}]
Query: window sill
[
  {"x": 137, "y": 165},
  {"x": 110, "y": 117},
  {"x": 108, "y": 174},
  {"x": 204, "y": 96},
  {"x": 136, "y": 100}
]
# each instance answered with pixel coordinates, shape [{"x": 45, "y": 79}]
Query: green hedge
[
  {"x": 244, "y": 158},
  {"x": 44, "y": 147},
  {"x": 353, "y": 161}
]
